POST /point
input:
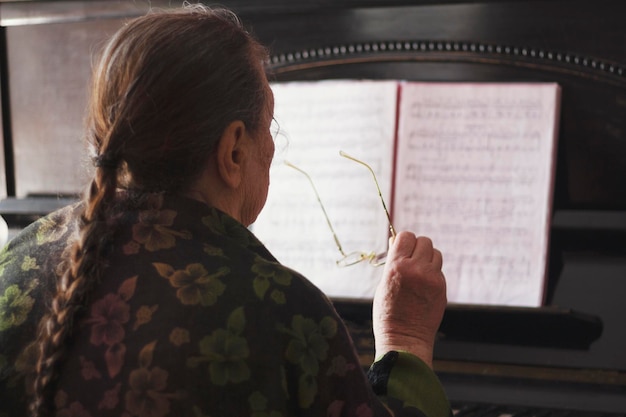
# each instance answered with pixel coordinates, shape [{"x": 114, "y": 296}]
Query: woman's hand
[{"x": 410, "y": 299}]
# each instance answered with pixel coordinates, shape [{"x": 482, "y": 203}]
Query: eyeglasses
[{"x": 352, "y": 258}]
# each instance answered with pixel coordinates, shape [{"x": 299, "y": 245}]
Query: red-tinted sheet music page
[{"x": 474, "y": 171}]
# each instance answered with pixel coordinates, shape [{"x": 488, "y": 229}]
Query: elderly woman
[{"x": 152, "y": 298}]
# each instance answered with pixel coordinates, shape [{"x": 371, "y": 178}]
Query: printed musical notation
[
  {"x": 468, "y": 164},
  {"x": 474, "y": 171},
  {"x": 317, "y": 120}
]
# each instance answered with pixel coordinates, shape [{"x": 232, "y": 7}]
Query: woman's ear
[{"x": 231, "y": 154}]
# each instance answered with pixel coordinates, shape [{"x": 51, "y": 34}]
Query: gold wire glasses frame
[{"x": 352, "y": 258}]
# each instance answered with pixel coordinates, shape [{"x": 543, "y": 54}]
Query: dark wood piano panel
[{"x": 570, "y": 354}]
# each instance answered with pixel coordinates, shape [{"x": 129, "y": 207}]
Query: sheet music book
[{"x": 471, "y": 165}]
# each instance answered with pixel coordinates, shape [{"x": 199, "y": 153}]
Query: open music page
[
  {"x": 316, "y": 120},
  {"x": 474, "y": 172}
]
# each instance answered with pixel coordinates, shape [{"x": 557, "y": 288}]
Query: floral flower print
[
  {"x": 223, "y": 224},
  {"x": 153, "y": 231},
  {"x": 307, "y": 390},
  {"x": 144, "y": 315},
  {"x": 226, "y": 351},
  {"x": 213, "y": 250},
  {"x": 15, "y": 305},
  {"x": 5, "y": 259},
  {"x": 223, "y": 354},
  {"x": 307, "y": 348},
  {"x": 27, "y": 360},
  {"x": 60, "y": 399},
  {"x": 88, "y": 369},
  {"x": 267, "y": 273},
  {"x": 110, "y": 398},
  {"x": 179, "y": 336},
  {"x": 52, "y": 229},
  {"x": 194, "y": 284},
  {"x": 108, "y": 316},
  {"x": 25, "y": 366},
  {"x": 146, "y": 397},
  {"x": 258, "y": 405},
  {"x": 107, "y": 319},
  {"x": 29, "y": 263},
  {"x": 74, "y": 409}
]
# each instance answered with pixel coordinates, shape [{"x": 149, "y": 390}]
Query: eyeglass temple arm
[
  {"x": 319, "y": 200},
  {"x": 380, "y": 194}
]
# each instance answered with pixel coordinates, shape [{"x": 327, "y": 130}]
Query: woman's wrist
[{"x": 415, "y": 346}]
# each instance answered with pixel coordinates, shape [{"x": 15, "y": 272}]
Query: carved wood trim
[{"x": 537, "y": 59}]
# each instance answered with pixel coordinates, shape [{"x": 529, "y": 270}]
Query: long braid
[
  {"x": 74, "y": 287},
  {"x": 87, "y": 254}
]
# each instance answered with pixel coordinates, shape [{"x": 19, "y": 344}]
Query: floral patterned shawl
[{"x": 193, "y": 317}]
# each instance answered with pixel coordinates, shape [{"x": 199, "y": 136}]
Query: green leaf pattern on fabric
[
  {"x": 15, "y": 305},
  {"x": 222, "y": 224},
  {"x": 29, "y": 263},
  {"x": 214, "y": 251},
  {"x": 226, "y": 352},
  {"x": 307, "y": 348},
  {"x": 266, "y": 274},
  {"x": 258, "y": 406},
  {"x": 51, "y": 230},
  {"x": 5, "y": 260}
]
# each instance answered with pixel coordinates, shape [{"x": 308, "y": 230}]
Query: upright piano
[{"x": 566, "y": 358}]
